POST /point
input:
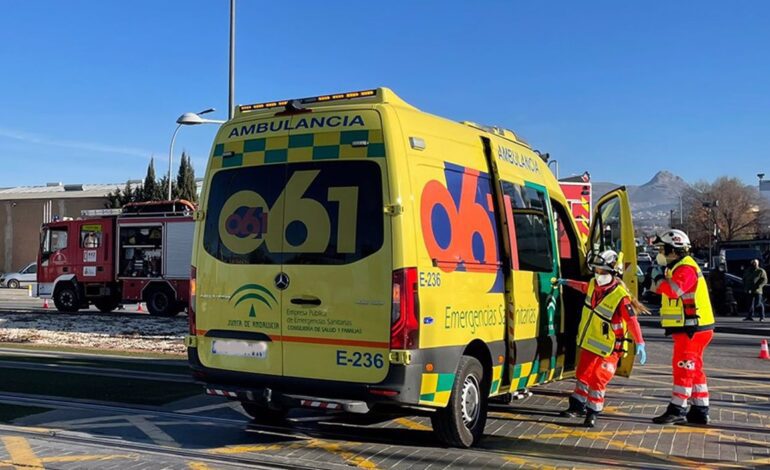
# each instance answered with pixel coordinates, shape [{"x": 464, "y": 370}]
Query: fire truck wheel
[
  {"x": 461, "y": 423},
  {"x": 160, "y": 302},
  {"x": 66, "y": 298},
  {"x": 106, "y": 305},
  {"x": 263, "y": 414}
]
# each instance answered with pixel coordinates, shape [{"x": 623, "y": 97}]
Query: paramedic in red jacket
[{"x": 608, "y": 315}]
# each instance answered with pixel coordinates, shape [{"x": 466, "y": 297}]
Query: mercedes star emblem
[{"x": 282, "y": 281}]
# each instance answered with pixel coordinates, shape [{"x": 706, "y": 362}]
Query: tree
[
  {"x": 737, "y": 215},
  {"x": 185, "y": 180},
  {"x": 118, "y": 199},
  {"x": 150, "y": 190}
]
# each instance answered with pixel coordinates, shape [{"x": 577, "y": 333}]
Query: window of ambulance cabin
[
  {"x": 565, "y": 233},
  {"x": 606, "y": 233},
  {"x": 90, "y": 236},
  {"x": 532, "y": 226}
]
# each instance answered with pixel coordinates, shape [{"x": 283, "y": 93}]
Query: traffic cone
[
  {"x": 45, "y": 303},
  {"x": 139, "y": 308},
  {"x": 763, "y": 352}
]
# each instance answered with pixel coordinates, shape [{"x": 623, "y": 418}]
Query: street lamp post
[
  {"x": 712, "y": 233},
  {"x": 186, "y": 119}
]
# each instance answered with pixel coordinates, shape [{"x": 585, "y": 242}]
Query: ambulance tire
[
  {"x": 160, "y": 302},
  {"x": 66, "y": 298},
  {"x": 461, "y": 423},
  {"x": 264, "y": 415}
]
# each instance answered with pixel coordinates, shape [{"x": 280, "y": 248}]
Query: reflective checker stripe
[
  {"x": 221, "y": 393},
  {"x": 325, "y": 405}
]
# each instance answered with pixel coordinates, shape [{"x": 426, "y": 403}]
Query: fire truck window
[
  {"x": 57, "y": 240},
  {"x": 90, "y": 236},
  {"x": 141, "y": 251}
]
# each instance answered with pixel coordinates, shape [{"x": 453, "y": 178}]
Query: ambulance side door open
[{"x": 612, "y": 228}]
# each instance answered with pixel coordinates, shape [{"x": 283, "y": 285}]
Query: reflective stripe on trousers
[{"x": 700, "y": 395}]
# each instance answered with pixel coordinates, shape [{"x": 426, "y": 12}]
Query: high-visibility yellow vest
[
  {"x": 596, "y": 333},
  {"x": 691, "y": 309}
]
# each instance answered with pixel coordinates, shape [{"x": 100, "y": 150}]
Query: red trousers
[
  {"x": 593, "y": 375},
  {"x": 687, "y": 365}
]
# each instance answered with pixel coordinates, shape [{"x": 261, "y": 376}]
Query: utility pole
[{"x": 231, "y": 97}]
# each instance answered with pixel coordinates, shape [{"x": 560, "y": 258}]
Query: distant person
[
  {"x": 609, "y": 313},
  {"x": 686, "y": 315},
  {"x": 754, "y": 281}
]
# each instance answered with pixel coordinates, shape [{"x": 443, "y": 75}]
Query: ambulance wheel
[
  {"x": 263, "y": 414},
  {"x": 66, "y": 298},
  {"x": 107, "y": 305},
  {"x": 461, "y": 423},
  {"x": 160, "y": 302}
]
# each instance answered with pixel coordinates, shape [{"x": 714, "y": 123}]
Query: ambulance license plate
[{"x": 229, "y": 347}]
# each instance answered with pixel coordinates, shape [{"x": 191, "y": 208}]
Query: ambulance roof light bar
[{"x": 313, "y": 99}]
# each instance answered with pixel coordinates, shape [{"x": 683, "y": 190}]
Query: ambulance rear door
[
  {"x": 612, "y": 228},
  {"x": 336, "y": 279}
]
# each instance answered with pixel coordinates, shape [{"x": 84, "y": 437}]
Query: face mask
[
  {"x": 603, "y": 279},
  {"x": 661, "y": 259}
]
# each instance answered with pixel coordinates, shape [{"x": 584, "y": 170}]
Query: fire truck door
[{"x": 95, "y": 252}]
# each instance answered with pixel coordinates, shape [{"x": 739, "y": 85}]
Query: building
[{"x": 23, "y": 209}]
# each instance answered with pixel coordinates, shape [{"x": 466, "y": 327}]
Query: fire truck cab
[{"x": 108, "y": 257}]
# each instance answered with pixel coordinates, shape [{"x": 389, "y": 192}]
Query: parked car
[
  {"x": 643, "y": 257},
  {"x": 23, "y": 277}
]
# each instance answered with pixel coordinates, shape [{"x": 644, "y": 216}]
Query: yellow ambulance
[{"x": 355, "y": 254}]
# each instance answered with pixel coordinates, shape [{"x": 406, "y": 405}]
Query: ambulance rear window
[{"x": 314, "y": 213}]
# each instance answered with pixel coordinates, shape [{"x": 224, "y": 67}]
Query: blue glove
[
  {"x": 559, "y": 282},
  {"x": 641, "y": 353},
  {"x": 656, "y": 272}
]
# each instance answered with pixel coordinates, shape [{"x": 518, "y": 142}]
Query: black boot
[
  {"x": 590, "y": 419},
  {"x": 673, "y": 414},
  {"x": 576, "y": 408},
  {"x": 698, "y": 415}
]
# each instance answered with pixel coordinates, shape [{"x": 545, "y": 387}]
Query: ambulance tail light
[
  {"x": 405, "y": 312},
  {"x": 191, "y": 307}
]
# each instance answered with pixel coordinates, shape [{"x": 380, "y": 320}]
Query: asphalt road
[{"x": 68, "y": 411}]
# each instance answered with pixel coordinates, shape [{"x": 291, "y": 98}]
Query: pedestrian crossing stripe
[{"x": 357, "y": 144}]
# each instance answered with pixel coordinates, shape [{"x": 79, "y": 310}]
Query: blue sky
[{"x": 89, "y": 90}]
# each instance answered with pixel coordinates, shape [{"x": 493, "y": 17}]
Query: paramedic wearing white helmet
[{"x": 687, "y": 317}]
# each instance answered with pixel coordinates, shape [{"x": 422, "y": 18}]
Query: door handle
[
  {"x": 306, "y": 301},
  {"x": 65, "y": 269}
]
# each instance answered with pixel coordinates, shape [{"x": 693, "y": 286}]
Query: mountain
[{"x": 652, "y": 201}]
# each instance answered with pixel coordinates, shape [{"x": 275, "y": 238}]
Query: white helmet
[
  {"x": 606, "y": 260},
  {"x": 674, "y": 238}
]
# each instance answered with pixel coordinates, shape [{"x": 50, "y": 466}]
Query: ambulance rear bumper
[{"x": 401, "y": 386}]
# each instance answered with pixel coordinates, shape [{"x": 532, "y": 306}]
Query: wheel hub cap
[{"x": 470, "y": 401}]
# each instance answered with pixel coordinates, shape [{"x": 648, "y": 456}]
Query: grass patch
[
  {"x": 10, "y": 412},
  {"x": 87, "y": 387}
]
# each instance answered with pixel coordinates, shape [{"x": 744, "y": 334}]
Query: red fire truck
[
  {"x": 108, "y": 257},
  {"x": 577, "y": 189}
]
